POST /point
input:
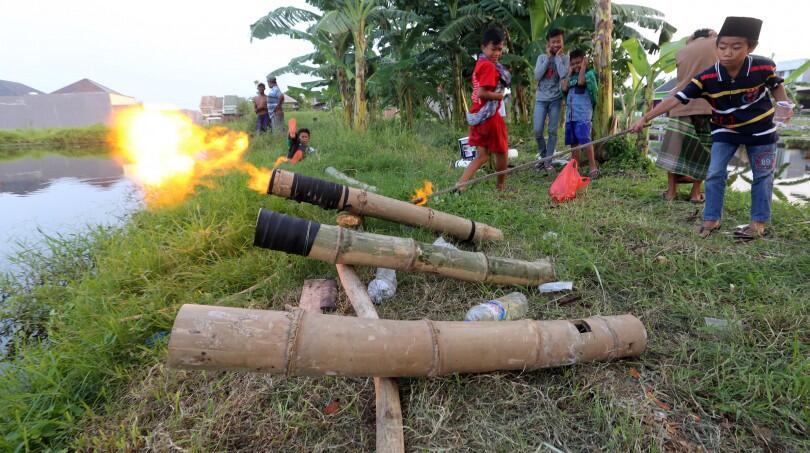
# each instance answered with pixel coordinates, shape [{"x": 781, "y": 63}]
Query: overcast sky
[{"x": 172, "y": 52}]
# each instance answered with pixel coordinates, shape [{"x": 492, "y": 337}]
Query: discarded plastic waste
[
  {"x": 509, "y": 307},
  {"x": 556, "y": 287},
  {"x": 720, "y": 324},
  {"x": 512, "y": 153},
  {"x": 384, "y": 285},
  {"x": 440, "y": 242},
  {"x": 462, "y": 163},
  {"x": 550, "y": 235}
]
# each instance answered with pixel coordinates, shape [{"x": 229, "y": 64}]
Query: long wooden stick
[
  {"x": 521, "y": 167},
  {"x": 390, "y": 437}
]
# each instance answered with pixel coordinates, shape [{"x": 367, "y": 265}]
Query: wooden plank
[{"x": 318, "y": 294}]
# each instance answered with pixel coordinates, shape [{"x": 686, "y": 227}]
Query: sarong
[{"x": 686, "y": 149}]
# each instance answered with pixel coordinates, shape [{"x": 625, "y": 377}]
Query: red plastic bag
[{"x": 565, "y": 187}]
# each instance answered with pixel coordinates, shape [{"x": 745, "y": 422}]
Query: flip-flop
[
  {"x": 698, "y": 200},
  {"x": 747, "y": 234},
  {"x": 593, "y": 174},
  {"x": 705, "y": 231}
]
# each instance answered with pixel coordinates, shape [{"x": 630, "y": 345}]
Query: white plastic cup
[{"x": 783, "y": 111}]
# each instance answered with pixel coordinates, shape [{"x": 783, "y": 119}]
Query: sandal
[
  {"x": 700, "y": 199},
  {"x": 593, "y": 174},
  {"x": 747, "y": 233},
  {"x": 665, "y": 198},
  {"x": 705, "y": 231}
]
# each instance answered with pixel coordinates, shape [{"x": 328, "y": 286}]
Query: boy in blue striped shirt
[{"x": 737, "y": 88}]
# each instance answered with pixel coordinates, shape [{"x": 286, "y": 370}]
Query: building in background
[
  {"x": 82, "y": 103},
  {"x": 785, "y": 68}
]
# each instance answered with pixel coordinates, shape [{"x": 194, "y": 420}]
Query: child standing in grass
[
  {"x": 487, "y": 128},
  {"x": 737, "y": 88},
  {"x": 260, "y": 107},
  {"x": 581, "y": 90}
]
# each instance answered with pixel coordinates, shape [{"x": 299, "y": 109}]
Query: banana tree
[
  {"x": 330, "y": 60},
  {"x": 643, "y": 75}
]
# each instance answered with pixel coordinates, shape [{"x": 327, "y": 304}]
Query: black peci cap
[{"x": 745, "y": 27}]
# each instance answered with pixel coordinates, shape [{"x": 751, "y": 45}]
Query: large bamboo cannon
[
  {"x": 301, "y": 343},
  {"x": 338, "y": 245},
  {"x": 329, "y": 195}
]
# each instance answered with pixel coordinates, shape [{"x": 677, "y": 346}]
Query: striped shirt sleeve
[{"x": 692, "y": 90}]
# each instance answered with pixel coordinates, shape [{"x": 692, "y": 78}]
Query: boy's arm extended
[{"x": 665, "y": 106}]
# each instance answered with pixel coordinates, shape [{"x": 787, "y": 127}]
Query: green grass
[
  {"x": 67, "y": 141},
  {"x": 97, "y": 383}
]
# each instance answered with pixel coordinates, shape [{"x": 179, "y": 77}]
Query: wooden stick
[
  {"x": 521, "y": 167},
  {"x": 390, "y": 437}
]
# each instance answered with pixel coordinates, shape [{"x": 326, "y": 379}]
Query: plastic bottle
[
  {"x": 384, "y": 285},
  {"x": 510, "y": 306}
]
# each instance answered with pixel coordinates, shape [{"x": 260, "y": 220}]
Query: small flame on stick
[{"x": 420, "y": 196}]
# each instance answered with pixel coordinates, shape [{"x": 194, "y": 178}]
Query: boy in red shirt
[{"x": 487, "y": 127}]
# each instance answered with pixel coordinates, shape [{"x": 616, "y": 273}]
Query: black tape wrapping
[
  {"x": 318, "y": 192},
  {"x": 472, "y": 231},
  {"x": 284, "y": 233}
]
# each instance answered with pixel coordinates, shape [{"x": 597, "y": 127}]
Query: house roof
[
  {"x": 667, "y": 86},
  {"x": 9, "y": 88},
  {"x": 85, "y": 86},
  {"x": 790, "y": 65}
]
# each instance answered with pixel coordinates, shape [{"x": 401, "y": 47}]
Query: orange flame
[
  {"x": 420, "y": 196},
  {"x": 169, "y": 156}
]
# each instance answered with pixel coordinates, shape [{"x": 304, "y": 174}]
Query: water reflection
[{"x": 59, "y": 195}]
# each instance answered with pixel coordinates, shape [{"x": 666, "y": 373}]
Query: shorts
[
  {"x": 577, "y": 132},
  {"x": 491, "y": 135}
]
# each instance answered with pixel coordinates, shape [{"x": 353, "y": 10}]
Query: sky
[{"x": 172, "y": 52}]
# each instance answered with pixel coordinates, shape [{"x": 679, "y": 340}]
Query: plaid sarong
[{"x": 687, "y": 145}]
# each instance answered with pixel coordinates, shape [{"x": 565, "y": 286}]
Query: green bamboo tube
[
  {"x": 330, "y": 195},
  {"x": 301, "y": 343},
  {"x": 338, "y": 245}
]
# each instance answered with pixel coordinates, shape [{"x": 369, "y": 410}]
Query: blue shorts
[{"x": 577, "y": 132}]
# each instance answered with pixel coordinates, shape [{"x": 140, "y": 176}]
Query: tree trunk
[
  {"x": 458, "y": 92},
  {"x": 643, "y": 139},
  {"x": 345, "y": 96},
  {"x": 360, "y": 106},
  {"x": 603, "y": 118}
]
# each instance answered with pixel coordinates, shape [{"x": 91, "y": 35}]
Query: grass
[
  {"x": 99, "y": 381},
  {"x": 67, "y": 141}
]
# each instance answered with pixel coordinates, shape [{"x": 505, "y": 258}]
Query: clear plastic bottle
[
  {"x": 508, "y": 307},
  {"x": 384, "y": 285}
]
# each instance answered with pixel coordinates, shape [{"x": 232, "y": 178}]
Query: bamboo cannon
[
  {"x": 338, "y": 245},
  {"x": 301, "y": 343},
  {"x": 329, "y": 195}
]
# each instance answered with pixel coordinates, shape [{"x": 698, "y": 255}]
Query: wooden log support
[
  {"x": 299, "y": 343},
  {"x": 390, "y": 437},
  {"x": 330, "y": 195},
  {"x": 338, "y": 245}
]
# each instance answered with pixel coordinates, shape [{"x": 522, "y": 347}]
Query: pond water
[{"x": 59, "y": 196}]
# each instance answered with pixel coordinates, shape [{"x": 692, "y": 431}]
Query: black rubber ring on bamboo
[
  {"x": 472, "y": 231},
  {"x": 281, "y": 232},
  {"x": 272, "y": 178},
  {"x": 325, "y": 194}
]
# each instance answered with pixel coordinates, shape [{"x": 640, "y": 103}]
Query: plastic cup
[{"x": 783, "y": 111}]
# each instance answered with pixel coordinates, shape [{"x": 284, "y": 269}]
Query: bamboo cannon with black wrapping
[
  {"x": 338, "y": 245},
  {"x": 329, "y": 195},
  {"x": 301, "y": 343}
]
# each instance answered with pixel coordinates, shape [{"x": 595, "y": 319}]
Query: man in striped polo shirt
[{"x": 737, "y": 88}]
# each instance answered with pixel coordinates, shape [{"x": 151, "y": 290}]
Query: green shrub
[{"x": 621, "y": 154}]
